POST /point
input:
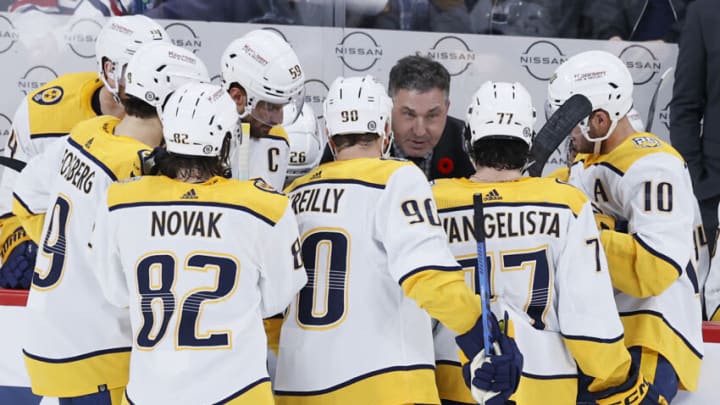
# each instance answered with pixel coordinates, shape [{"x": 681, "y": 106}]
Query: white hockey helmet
[
  {"x": 158, "y": 68},
  {"x": 118, "y": 41},
  {"x": 197, "y": 118},
  {"x": 357, "y": 105},
  {"x": 269, "y": 71},
  {"x": 601, "y": 77},
  {"x": 501, "y": 110},
  {"x": 306, "y": 144},
  {"x": 636, "y": 120}
]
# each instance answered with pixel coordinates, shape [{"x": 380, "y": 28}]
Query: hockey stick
[
  {"x": 14, "y": 164},
  {"x": 240, "y": 157},
  {"x": 555, "y": 130},
  {"x": 482, "y": 272},
  {"x": 653, "y": 100}
]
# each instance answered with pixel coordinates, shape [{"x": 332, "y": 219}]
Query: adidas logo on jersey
[
  {"x": 190, "y": 195},
  {"x": 493, "y": 195},
  {"x": 317, "y": 175},
  {"x": 89, "y": 143}
]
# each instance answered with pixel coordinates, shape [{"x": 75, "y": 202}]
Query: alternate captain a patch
[{"x": 49, "y": 96}]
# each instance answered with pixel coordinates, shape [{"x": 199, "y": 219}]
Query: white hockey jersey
[
  {"x": 645, "y": 183},
  {"x": 199, "y": 266},
  {"x": 712, "y": 286},
  {"x": 548, "y": 271},
  {"x": 90, "y": 345},
  {"x": 269, "y": 157},
  {"x": 45, "y": 115},
  {"x": 374, "y": 251}
]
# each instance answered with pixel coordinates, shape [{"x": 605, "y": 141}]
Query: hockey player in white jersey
[
  {"x": 541, "y": 235},
  {"x": 712, "y": 285},
  {"x": 306, "y": 144},
  {"x": 641, "y": 180},
  {"x": 49, "y": 113},
  {"x": 199, "y": 288},
  {"x": 376, "y": 256},
  {"x": 88, "y": 355},
  {"x": 262, "y": 74}
]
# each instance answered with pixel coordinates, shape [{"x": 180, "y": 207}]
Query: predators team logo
[
  {"x": 645, "y": 142},
  {"x": 262, "y": 185},
  {"x": 49, "y": 96}
]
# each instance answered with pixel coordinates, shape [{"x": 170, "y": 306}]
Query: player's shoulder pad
[
  {"x": 637, "y": 147},
  {"x": 255, "y": 195},
  {"x": 277, "y": 133},
  {"x": 447, "y": 193},
  {"x": 243, "y": 195},
  {"x": 56, "y": 107},
  {"x": 541, "y": 191},
  {"x": 54, "y": 91},
  {"x": 374, "y": 172},
  {"x": 565, "y": 193},
  {"x": 120, "y": 156}
]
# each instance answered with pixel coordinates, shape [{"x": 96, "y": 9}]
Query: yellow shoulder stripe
[
  {"x": 451, "y": 194},
  {"x": 56, "y": 107},
  {"x": 276, "y": 132},
  {"x": 95, "y": 137},
  {"x": 160, "y": 190},
  {"x": 371, "y": 172},
  {"x": 630, "y": 151}
]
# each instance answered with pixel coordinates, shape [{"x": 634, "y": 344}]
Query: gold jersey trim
[
  {"x": 79, "y": 375},
  {"x": 391, "y": 386}
]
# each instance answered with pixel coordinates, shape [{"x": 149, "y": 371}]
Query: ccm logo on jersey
[{"x": 49, "y": 96}]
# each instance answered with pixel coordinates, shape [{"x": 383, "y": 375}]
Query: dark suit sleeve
[{"x": 688, "y": 103}]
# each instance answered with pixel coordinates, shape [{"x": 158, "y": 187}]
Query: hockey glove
[
  {"x": 18, "y": 256},
  {"x": 636, "y": 390},
  {"x": 492, "y": 378}
]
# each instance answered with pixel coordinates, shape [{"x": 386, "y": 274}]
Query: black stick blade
[{"x": 555, "y": 130}]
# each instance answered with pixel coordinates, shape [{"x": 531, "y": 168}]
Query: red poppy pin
[{"x": 445, "y": 165}]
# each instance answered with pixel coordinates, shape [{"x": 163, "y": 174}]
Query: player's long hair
[
  {"x": 138, "y": 108},
  {"x": 500, "y": 154},
  {"x": 175, "y": 166}
]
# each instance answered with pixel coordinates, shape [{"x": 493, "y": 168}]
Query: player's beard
[
  {"x": 578, "y": 144},
  {"x": 571, "y": 152},
  {"x": 258, "y": 129}
]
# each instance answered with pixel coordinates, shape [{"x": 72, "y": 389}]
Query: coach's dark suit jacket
[
  {"x": 696, "y": 96},
  {"x": 449, "y": 158}
]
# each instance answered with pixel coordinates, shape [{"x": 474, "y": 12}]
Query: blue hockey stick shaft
[{"x": 482, "y": 271}]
